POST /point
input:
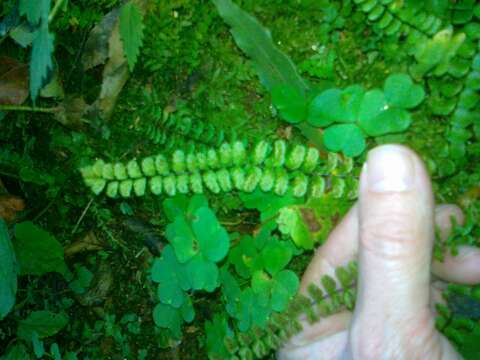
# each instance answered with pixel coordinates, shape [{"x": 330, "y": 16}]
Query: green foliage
[
  {"x": 37, "y": 251},
  {"x": 217, "y": 330},
  {"x": 42, "y": 46},
  {"x": 322, "y": 300},
  {"x": 459, "y": 320},
  {"x": 131, "y": 31},
  {"x": 35, "y": 11},
  {"x": 271, "y": 167},
  {"x": 273, "y": 67},
  {"x": 198, "y": 242},
  {"x": 374, "y": 112},
  {"x": 41, "y": 324},
  {"x": 8, "y": 272},
  {"x": 290, "y": 102}
]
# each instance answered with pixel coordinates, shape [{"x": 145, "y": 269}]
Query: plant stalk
[{"x": 27, "y": 108}]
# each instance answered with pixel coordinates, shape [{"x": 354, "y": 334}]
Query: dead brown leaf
[
  {"x": 9, "y": 206},
  {"x": 71, "y": 111},
  {"x": 97, "y": 45},
  {"x": 13, "y": 81},
  {"x": 86, "y": 242},
  {"x": 115, "y": 72}
]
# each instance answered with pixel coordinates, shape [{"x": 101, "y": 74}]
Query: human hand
[{"x": 391, "y": 232}]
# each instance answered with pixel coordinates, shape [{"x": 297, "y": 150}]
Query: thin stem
[
  {"x": 55, "y": 9},
  {"x": 27, "y": 108}
]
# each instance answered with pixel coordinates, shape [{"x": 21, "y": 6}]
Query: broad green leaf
[
  {"x": 250, "y": 311},
  {"x": 268, "y": 204},
  {"x": 8, "y": 271},
  {"x": 402, "y": 92},
  {"x": 172, "y": 278},
  {"x": 17, "y": 352},
  {"x": 276, "y": 255},
  {"x": 325, "y": 108},
  {"x": 41, "y": 61},
  {"x": 55, "y": 351},
  {"x": 83, "y": 280},
  {"x": 286, "y": 287},
  {"x": 38, "y": 346},
  {"x": 131, "y": 32},
  {"x": 217, "y": 330},
  {"x": 245, "y": 257},
  {"x": 290, "y": 102},
  {"x": 166, "y": 316},
  {"x": 373, "y": 104},
  {"x": 213, "y": 239},
  {"x": 347, "y": 138},
  {"x": 274, "y": 68},
  {"x": 187, "y": 310},
  {"x": 277, "y": 290},
  {"x": 175, "y": 206},
  {"x": 230, "y": 290},
  {"x": 202, "y": 274},
  {"x": 391, "y": 120},
  {"x": 37, "y": 251},
  {"x": 336, "y": 105},
  {"x": 44, "y": 323},
  {"x": 35, "y": 10},
  {"x": 182, "y": 239}
]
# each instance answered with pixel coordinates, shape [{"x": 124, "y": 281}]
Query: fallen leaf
[
  {"x": 115, "y": 72},
  {"x": 97, "y": 45},
  {"x": 54, "y": 88},
  {"x": 13, "y": 81},
  {"x": 86, "y": 242},
  {"x": 9, "y": 206},
  {"x": 115, "y": 75},
  {"x": 71, "y": 111}
]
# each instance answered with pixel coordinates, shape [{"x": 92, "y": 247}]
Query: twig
[
  {"x": 28, "y": 108},
  {"x": 55, "y": 9},
  {"x": 82, "y": 216}
]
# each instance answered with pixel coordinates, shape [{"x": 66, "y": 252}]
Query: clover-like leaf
[
  {"x": 402, "y": 92},
  {"x": 373, "y": 104},
  {"x": 389, "y": 121},
  {"x": 175, "y": 206},
  {"x": 250, "y": 311},
  {"x": 182, "y": 239},
  {"x": 347, "y": 138},
  {"x": 187, "y": 310},
  {"x": 335, "y": 105},
  {"x": 167, "y": 316},
  {"x": 213, "y": 239},
  {"x": 217, "y": 330},
  {"x": 275, "y": 291},
  {"x": 276, "y": 255},
  {"x": 290, "y": 102},
  {"x": 172, "y": 278},
  {"x": 202, "y": 274},
  {"x": 230, "y": 290},
  {"x": 245, "y": 257}
]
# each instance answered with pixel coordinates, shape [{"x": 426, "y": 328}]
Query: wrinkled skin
[{"x": 390, "y": 231}]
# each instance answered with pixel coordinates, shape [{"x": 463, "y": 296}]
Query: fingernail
[{"x": 390, "y": 168}]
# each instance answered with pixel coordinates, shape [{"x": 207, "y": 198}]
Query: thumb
[{"x": 396, "y": 235}]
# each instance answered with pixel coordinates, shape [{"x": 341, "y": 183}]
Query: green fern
[{"x": 272, "y": 167}]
